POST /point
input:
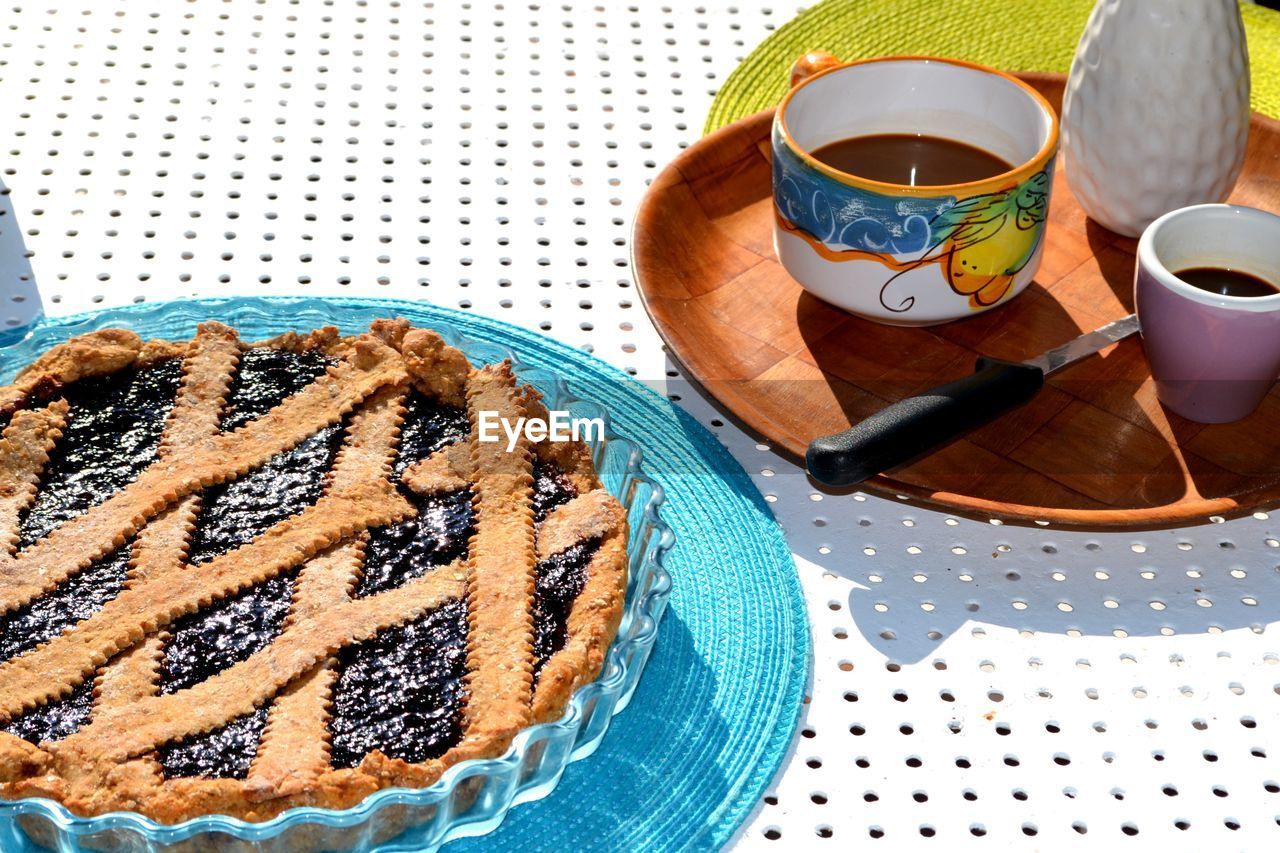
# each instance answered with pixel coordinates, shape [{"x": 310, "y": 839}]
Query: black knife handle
[{"x": 913, "y": 427}]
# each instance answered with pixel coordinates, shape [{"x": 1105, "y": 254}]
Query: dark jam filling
[
  {"x": 57, "y": 719},
  {"x": 236, "y": 513},
  {"x": 551, "y": 488},
  {"x": 208, "y": 641},
  {"x": 112, "y": 432},
  {"x": 224, "y": 753},
  {"x": 560, "y": 579},
  {"x": 265, "y": 377},
  {"x": 428, "y": 427},
  {"x": 440, "y": 531},
  {"x": 227, "y": 632},
  {"x": 437, "y": 535},
  {"x": 401, "y": 692},
  {"x": 76, "y": 598}
]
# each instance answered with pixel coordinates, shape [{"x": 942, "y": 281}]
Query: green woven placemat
[{"x": 1016, "y": 36}]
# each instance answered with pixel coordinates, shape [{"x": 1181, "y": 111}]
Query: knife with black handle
[{"x": 916, "y": 426}]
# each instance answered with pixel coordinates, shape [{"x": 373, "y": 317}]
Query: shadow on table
[
  {"x": 912, "y": 605},
  {"x": 1035, "y": 580},
  {"x": 1040, "y": 580}
]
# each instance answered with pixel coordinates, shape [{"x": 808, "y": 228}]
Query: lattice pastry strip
[
  {"x": 294, "y": 750},
  {"x": 500, "y": 587},
  {"x": 595, "y": 612},
  {"x": 340, "y": 601},
  {"x": 161, "y": 546},
  {"x": 24, "y": 450}
]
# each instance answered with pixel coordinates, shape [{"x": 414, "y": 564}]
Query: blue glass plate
[{"x": 472, "y": 797}]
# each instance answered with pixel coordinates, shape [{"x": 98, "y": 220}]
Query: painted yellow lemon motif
[{"x": 987, "y": 240}]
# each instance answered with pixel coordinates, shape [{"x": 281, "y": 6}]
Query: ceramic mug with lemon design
[{"x": 913, "y": 255}]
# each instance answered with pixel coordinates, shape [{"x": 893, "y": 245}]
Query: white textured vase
[{"x": 1156, "y": 112}]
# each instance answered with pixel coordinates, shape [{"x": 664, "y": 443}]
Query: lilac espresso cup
[{"x": 1213, "y": 357}]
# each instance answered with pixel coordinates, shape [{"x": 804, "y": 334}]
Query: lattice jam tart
[{"x": 238, "y": 578}]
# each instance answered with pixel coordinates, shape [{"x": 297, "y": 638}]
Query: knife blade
[
  {"x": 916, "y": 426},
  {"x": 1084, "y": 346}
]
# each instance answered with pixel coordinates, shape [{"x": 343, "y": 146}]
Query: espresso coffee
[
  {"x": 1227, "y": 282},
  {"x": 912, "y": 160}
]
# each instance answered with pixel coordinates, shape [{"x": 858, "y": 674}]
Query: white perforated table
[{"x": 974, "y": 685}]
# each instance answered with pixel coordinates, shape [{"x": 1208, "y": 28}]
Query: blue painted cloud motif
[{"x": 841, "y": 215}]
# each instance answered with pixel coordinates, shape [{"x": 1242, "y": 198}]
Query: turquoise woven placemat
[
  {"x": 1027, "y": 35},
  {"x": 682, "y": 766}
]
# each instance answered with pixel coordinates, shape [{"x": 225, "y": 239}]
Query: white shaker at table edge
[
  {"x": 20, "y": 303},
  {"x": 1156, "y": 110}
]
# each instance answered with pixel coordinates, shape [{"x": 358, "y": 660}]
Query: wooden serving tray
[{"x": 1094, "y": 449}]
